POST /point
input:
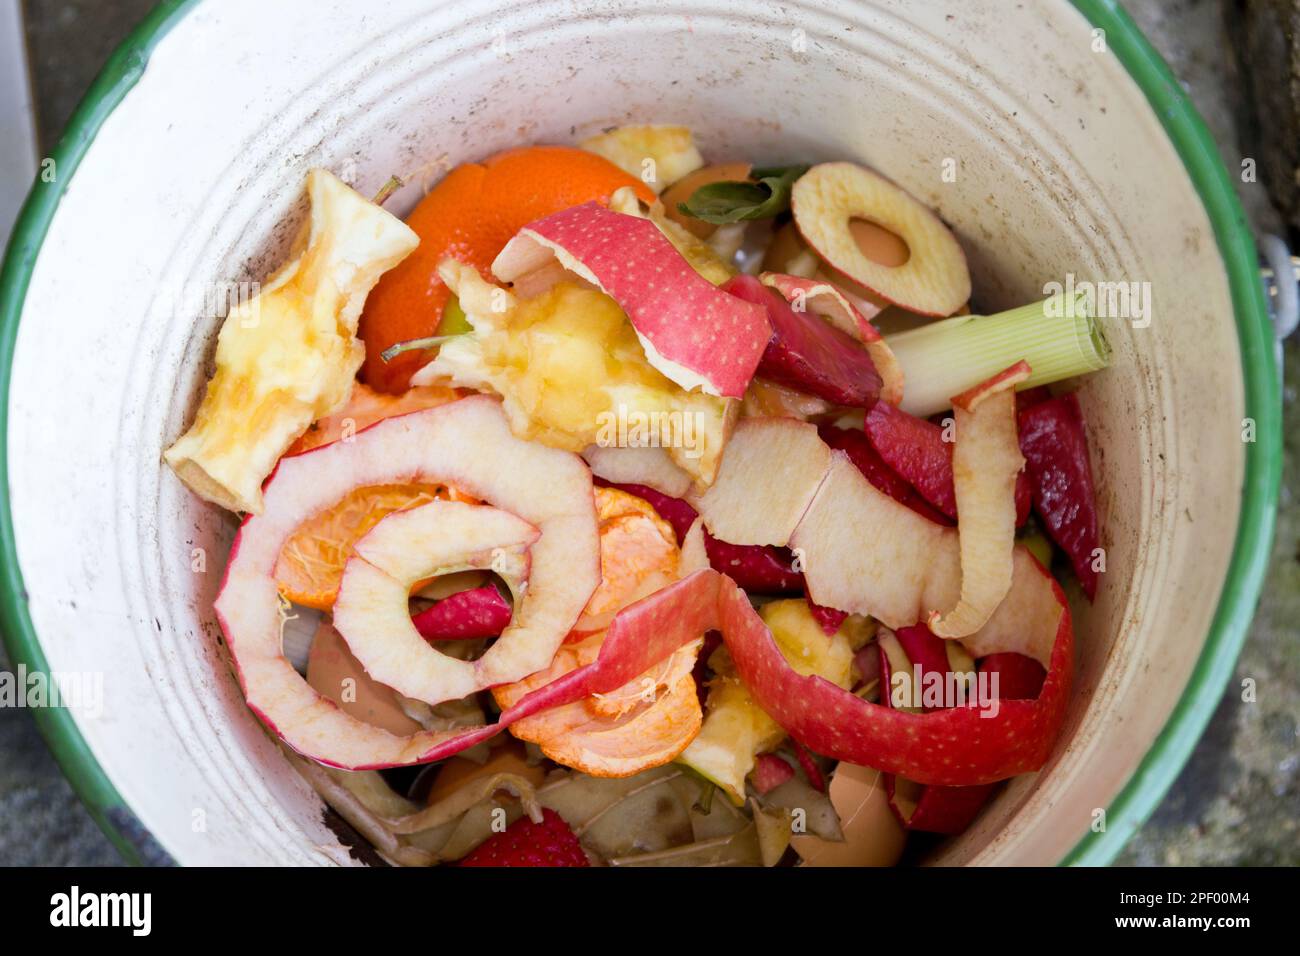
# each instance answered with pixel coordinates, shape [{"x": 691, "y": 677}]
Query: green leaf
[{"x": 731, "y": 201}]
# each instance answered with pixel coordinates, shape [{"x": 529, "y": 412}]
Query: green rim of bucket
[
  {"x": 1263, "y": 473},
  {"x": 1263, "y": 470},
  {"x": 122, "y": 71}
]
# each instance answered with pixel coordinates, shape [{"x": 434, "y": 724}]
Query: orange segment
[
  {"x": 652, "y": 719},
  {"x": 645, "y": 724},
  {"x": 470, "y": 215},
  {"x": 311, "y": 562},
  {"x": 364, "y": 408},
  {"x": 638, "y": 556}
]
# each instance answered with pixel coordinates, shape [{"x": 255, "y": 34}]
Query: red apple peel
[
  {"x": 952, "y": 747},
  {"x": 929, "y": 809},
  {"x": 829, "y": 301},
  {"x": 640, "y": 636},
  {"x": 808, "y": 354},
  {"x": 1055, "y": 447},
  {"x": 880, "y": 472},
  {"x": 694, "y": 334},
  {"x": 914, "y": 448},
  {"x": 1019, "y": 677},
  {"x": 769, "y": 772},
  {"x": 465, "y": 615}
]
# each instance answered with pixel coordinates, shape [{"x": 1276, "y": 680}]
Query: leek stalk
[{"x": 947, "y": 357}]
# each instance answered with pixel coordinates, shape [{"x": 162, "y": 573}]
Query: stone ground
[{"x": 1237, "y": 801}]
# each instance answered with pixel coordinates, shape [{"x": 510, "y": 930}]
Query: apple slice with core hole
[
  {"x": 986, "y": 465},
  {"x": 934, "y": 280},
  {"x": 830, "y": 302},
  {"x": 371, "y": 611},
  {"x": 696, "y": 335},
  {"x": 469, "y": 444}
]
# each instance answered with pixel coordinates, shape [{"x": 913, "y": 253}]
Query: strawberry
[
  {"x": 770, "y": 771},
  {"x": 525, "y": 843}
]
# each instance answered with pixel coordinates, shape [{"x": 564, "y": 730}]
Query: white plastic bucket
[{"x": 1073, "y": 152}]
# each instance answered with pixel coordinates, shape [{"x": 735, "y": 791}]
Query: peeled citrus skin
[
  {"x": 470, "y": 216},
  {"x": 649, "y": 721}
]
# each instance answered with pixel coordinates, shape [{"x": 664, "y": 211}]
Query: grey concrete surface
[{"x": 1238, "y": 800}]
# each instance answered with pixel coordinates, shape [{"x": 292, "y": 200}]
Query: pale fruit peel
[
  {"x": 770, "y": 472},
  {"x": 934, "y": 280},
  {"x": 638, "y": 465},
  {"x": 986, "y": 464},
  {"x": 781, "y": 485},
  {"x": 288, "y": 356}
]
